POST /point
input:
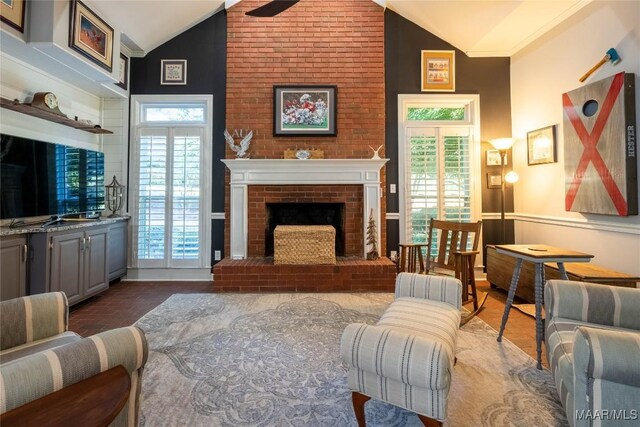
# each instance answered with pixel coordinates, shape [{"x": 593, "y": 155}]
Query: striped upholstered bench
[
  {"x": 407, "y": 358},
  {"x": 39, "y": 356},
  {"x": 593, "y": 350}
]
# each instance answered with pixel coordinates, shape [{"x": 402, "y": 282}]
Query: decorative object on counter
[
  {"x": 600, "y": 147},
  {"x": 173, "y": 72},
  {"x": 91, "y": 36},
  {"x": 240, "y": 150},
  {"x": 123, "y": 82},
  {"x": 115, "y": 197},
  {"x": 304, "y": 110},
  {"x": 376, "y": 152},
  {"x": 372, "y": 238},
  {"x": 297, "y": 154},
  {"x": 46, "y": 101},
  {"x": 610, "y": 55},
  {"x": 541, "y": 146},
  {"x": 12, "y": 13},
  {"x": 438, "y": 71}
]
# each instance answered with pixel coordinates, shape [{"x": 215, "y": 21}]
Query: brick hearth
[{"x": 261, "y": 275}]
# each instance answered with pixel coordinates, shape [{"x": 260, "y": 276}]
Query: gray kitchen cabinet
[
  {"x": 73, "y": 261},
  {"x": 117, "y": 250},
  {"x": 13, "y": 267}
]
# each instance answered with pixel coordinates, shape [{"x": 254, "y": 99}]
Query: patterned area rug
[{"x": 273, "y": 360}]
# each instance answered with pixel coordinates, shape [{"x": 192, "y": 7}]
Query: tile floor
[{"x": 125, "y": 302}]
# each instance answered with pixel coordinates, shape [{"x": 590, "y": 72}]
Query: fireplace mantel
[{"x": 245, "y": 172}]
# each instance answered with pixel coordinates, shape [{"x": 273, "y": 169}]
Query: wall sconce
[
  {"x": 115, "y": 197},
  {"x": 503, "y": 145}
]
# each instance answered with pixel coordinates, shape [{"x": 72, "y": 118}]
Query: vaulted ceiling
[{"x": 477, "y": 27}]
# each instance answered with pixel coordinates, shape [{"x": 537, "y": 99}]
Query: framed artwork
[
  {"x": 541, "y": 146},
  {"x": 90, "y": 35},
  {"x": 304, "y": 110},
  {"x": 494, "y": 180},
  {"x": 438, "y": 71},
  {"x": 124, "y": 72},
  {"x": 12, "y": 13},
  {"x": 493, "y": 158},
  {"x": 173, "y": 72}
]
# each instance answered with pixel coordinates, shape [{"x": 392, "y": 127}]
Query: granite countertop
[{"x": 63, "y": 226}]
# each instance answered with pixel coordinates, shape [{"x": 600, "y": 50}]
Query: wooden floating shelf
[{"x": 52, "y": 117}]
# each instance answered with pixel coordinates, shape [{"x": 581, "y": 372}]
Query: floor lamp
[{"x": 503, "y": 145}]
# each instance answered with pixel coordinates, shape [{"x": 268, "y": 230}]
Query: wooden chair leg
[
  {"x": 359, "y": 400},
  {"x": 429, "y": 422}
]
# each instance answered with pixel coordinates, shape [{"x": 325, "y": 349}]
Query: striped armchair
[
  {"x": 38, "y": 356},
  {"x": 593, "y": 350}
]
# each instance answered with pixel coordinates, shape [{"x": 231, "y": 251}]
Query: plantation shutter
[
  {"x": 439, "y": 178},
  {"x": 152, "y": 193},
  {"x": 185, "y": 234}
]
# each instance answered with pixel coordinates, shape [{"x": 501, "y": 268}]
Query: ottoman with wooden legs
[{"x": 407, "y": 358}]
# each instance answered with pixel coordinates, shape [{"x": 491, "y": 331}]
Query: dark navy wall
[
  {"x": 204, "y": 46},
  {"x": 488, "y": 77}
]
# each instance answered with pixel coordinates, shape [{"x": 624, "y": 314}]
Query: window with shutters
[
  {"x": 171, "y": 183},
  {"x": 438, "y": 145}
]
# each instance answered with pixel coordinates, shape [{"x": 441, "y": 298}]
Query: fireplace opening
[{"x": 305, "y": 214}]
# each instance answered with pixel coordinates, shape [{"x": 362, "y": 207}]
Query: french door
[{"x": 171, "y": 194}]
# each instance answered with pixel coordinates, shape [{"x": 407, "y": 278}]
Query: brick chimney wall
[{"x": 313, "y": 43}]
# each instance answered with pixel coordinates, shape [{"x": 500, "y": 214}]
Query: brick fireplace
[{"x": 256, "y": 184}]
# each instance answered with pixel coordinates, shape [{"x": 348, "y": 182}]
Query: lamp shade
[
  {"x": 502, "y": 143},
  {"x": 511, "y": 177}
]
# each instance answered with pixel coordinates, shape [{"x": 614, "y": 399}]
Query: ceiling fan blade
[{"x": 272, "y": 8}]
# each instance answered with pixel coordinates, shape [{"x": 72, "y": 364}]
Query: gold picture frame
[
  {"x": 541, "y": 146},
  {"x": 90, "y": 35},
  {"x": 12, "y": 13},
  {"x": 438, "y": 71}
]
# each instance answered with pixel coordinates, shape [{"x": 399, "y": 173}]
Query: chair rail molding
[{"x": 568, "y": 222}]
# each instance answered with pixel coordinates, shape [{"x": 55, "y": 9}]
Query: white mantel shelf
[
  {"x": 246, "y": 172},
  {"x": 312, "y": 171}
]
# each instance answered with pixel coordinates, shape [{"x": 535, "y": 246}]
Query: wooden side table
[
  {"x": 95, "y": 401},
  {"x": 410, "y": 258},
  {"x": 538, "y": 255}
]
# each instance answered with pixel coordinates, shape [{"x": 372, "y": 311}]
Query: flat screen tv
[{"x": 40, "y": 178}]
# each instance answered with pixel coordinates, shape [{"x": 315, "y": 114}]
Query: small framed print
[
  {"x": 493, "y": 158},
  {"x": 124, "y": 72},
  {"x": 541, "y": 146},
  {"x": 494, "y": 180},
  {"x": 173, "y": 72},
  {"x": 438, "y": 71},
  {"x": 12, "y": 13}
]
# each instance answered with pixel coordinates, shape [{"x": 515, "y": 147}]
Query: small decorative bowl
[{"x": 303, "y": 154}]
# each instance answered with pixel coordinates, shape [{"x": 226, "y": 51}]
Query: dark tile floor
[{"x": 125, "y": 302}]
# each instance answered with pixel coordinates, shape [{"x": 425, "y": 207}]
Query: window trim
[
  {"x": 472, "y": 102},
  {"x": 137, "y": 101}
]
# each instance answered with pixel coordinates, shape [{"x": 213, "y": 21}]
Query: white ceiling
[{"x": 477, "y": 27}]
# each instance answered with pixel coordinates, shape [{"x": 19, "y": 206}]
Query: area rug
[{"x": 273, "y": 360}]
